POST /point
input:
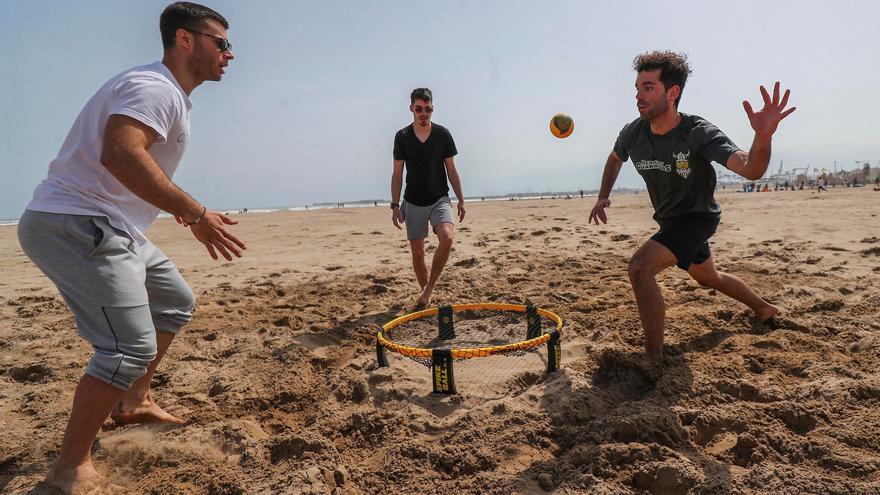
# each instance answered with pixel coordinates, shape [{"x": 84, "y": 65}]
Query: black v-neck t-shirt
[
  {"x": 677, "y": 166},
  {"x": 426, "y": 180}
]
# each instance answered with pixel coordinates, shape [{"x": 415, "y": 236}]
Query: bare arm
[
  {"x": 753, "y": 165},
  {"x": 396, "y": 184},
  {"x": 455, "y": 180},
  {"x": 125, "y": 154},
  {"x": 609, "y": 177},
  {"x": 396, "y": 181}
]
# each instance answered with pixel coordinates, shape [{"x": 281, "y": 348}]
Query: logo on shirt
[
  {"x": 182, "y": 138},
  {"x": 682, "y": 166},
  {"x": 653, "y": 165}
]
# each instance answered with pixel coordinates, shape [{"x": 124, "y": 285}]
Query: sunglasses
[
  {"x": 222, "y": 43},
  {"x": 419, "y": 109}
]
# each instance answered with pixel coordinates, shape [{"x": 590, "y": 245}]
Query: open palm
[{"x": 765, "y": 121}]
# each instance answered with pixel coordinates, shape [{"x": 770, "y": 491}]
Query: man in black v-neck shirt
[
  {"x": 427, "y": 151},
  {"x": 673, "y": 152}
]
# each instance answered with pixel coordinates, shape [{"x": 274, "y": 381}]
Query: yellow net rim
[{"x": 471, "y": 352}]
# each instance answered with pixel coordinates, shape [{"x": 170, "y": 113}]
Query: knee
[
  {"x": 124, "y": 348},
  {"x": 711, "y": 280},
  {"x": 445, "y": 236},
  {"x": 125, "y": 364},
  {"x": 445, "y": 241},
  {"x": 171, "y": 313},
  {"x": 188, "y": 299},
  {"x": 638, "y": 271}
]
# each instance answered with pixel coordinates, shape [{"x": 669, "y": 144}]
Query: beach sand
[{"x": 277, "y": 373}]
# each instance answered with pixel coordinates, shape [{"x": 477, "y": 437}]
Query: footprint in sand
[
  {"x": 34, "y": 373},
  {"x": 829, "y": 305},
  {"x": 466, "y": 263},
  {"x": 630, "y": 374},
  {"x": 795, "y": 416},
  {"x": 378, "y": 289}
]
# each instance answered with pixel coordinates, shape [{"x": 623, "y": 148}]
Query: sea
[{"x": 384, "y": 203}]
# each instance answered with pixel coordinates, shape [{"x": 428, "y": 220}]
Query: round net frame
[{"x": 440, "y": 357}]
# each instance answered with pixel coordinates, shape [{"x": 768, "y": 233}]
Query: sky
[{"x": 308, "y": 109}]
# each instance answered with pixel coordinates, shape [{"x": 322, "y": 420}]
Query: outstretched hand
[
  {"x": 765, "y": 121},
  {"x": 211, "y": 232}
]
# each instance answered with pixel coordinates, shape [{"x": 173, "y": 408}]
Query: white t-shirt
[{"x": 79, "y": 184}]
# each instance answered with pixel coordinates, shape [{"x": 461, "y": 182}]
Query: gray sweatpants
[{"x": 120, "y": 293}]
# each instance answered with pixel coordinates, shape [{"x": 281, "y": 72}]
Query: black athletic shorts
[{"x": 687, "y": 236}]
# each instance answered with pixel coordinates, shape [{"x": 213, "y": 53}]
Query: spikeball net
[{"x": 468, "y": 331}]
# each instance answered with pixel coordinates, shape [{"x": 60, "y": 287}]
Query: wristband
[
  {"x": 394, "y": 205},
  {"x": 198, "y": 218}
]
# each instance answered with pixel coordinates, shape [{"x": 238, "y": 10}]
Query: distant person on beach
[
  {"x": 84, "y": 228},
  {"x": 427, "y": 151},
  {"x": 674, "y": 152}
]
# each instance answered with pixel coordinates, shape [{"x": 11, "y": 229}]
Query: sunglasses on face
[
  {"x": 419, "y": 109},
  {"x": 222, "y": 43}
]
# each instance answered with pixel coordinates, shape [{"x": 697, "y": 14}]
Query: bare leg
[
  {"x": 645, "y": 264},
  {"x": 92, "y": 403},
  {"x": 732, "y": 286},
  {"x": 417, "y": 248},
  {"x": 137, "y": 405},
  {"x": 445, "y": 233}
]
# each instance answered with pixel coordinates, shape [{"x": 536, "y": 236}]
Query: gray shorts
[
  {"x": 417, "y": 217},
  {"x": 119, "y": 293}
]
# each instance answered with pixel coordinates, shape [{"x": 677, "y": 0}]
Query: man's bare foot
[
  {"x": 768, "y": 312},
  {"x": 73, "y": 480},
  {"x": 425, "y": 297},
  {"x": 145, "y": 412}
]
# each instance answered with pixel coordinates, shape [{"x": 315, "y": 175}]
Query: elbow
[
  {"x": 749, "y": 173},
  {"x": 115, "y": 154},
  {"x": 110, "y": 157}
]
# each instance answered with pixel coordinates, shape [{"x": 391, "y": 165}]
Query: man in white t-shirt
[{"x": 84, "y": 228}]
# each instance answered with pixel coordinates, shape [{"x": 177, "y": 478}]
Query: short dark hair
[
  {"x": 185, "y": 15},
  {"x": 674, "y": 68},
  {"x": 420, "y": 94}
]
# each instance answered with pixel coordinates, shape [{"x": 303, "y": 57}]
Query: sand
[{"x": 277, "y": 373}]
